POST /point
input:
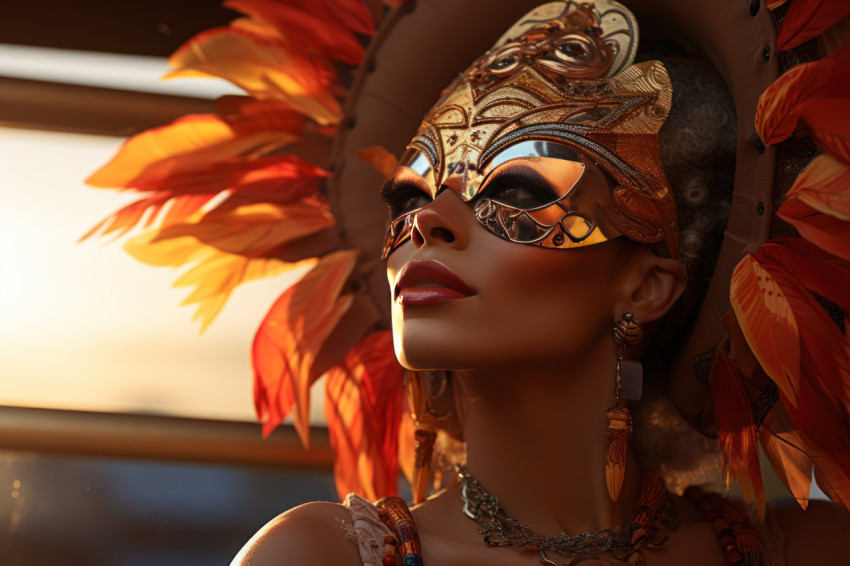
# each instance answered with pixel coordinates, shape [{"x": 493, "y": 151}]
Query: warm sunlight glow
[
  {"x": 85, "y": 326},
  {"x": 109, "y": 70}
]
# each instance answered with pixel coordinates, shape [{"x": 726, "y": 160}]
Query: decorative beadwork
[
  {"x": 737, "y": 536},
  {"x": 394, "y": 512}
]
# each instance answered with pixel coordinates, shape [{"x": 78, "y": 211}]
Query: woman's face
[{"x": 464, "y": 298}]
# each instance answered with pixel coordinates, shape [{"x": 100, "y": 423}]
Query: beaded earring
[
  {"x": 629, "y": 382},
  {"x": 425, "y": 390}
]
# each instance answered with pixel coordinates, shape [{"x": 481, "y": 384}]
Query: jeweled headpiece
[{"x": 559, "y": 84}]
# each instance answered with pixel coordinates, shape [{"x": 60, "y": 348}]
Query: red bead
[{"x": 388, "y": 560}]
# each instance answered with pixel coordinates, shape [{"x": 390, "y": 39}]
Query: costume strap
[
  {"x": 736, "y": 534},
  {"x": 395, "y": 513}
]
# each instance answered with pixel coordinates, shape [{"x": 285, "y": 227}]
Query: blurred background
[{"x": 126, "y": 437}]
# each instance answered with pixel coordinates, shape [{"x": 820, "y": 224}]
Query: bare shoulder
[
  {"x": 307, "y": 535},
  {"x": 817, "y": 535}
]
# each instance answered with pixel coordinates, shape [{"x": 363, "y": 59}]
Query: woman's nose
[{"x": 442, "y": 222}]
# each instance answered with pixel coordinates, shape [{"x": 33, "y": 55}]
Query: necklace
[{"x": 655, "y": 514}]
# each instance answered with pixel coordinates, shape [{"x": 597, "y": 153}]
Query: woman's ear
[{"x": 650, "y": 287}]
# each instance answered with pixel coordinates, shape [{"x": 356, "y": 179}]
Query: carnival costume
[{"x": 767, "y": 356}]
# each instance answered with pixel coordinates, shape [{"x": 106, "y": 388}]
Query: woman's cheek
[{"x": 549, "y": 302}]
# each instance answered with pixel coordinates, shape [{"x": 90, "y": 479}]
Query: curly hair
[{"x": 697, "y": 145}]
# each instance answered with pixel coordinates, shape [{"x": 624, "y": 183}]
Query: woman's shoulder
[
  {"x": 817, "y": 535},
  {"x": 310, "y": 534}
]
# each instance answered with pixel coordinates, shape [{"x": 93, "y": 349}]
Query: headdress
[{"x": 778, "y": 369}]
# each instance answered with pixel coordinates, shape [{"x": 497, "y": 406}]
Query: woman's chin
[
  {"x": 420, "y": 355},
  {"x": 430, "y": 354}
]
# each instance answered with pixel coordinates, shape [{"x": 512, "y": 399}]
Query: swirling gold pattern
[{"x": 551, "y": 80}]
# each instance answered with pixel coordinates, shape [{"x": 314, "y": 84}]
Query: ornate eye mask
[
  {"x": 536, "y": 193},
  {"x": 559, "y": 86}
]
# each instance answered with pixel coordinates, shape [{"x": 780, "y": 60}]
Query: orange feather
[
  {"x": 379, "y": 158},
  {"x": 806, "y": 19},
  {"x": 818, "y": 205},
  {"x": 799, "y": 454},
  {"x": 254, "y": 229},
  {"x": 767, "y": 323},
  {"x": 817, "y": 395},
  {"x": 829, "y": 124},
  {"x": 353, "y": 14},
  {"x": 802, "y": 94},
  {"x": 281, "y": 179},
  {"x": 783, "y": 323},
  {"x": 736, "y": 430},
  {"x": 193, "y": 143},
  {"x": 263, "y": 67},
  {"x": 320, "y": 35},
  {"x": 276, "y": 178},
  {"x": 785, "y": 449},
  {"x": 364, "y": 407},
  {"x": 291, "y": 336}
]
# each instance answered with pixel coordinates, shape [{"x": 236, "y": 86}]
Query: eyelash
[
  {"x": 395, "y": 194},
  {"x": 520, "y": 179}
]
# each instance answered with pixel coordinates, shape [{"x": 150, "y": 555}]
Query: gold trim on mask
[{"x": 564, "y": 82}]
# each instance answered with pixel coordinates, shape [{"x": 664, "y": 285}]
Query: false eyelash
[
  {"x": 395, "y": 192},
  {"x": 525, "y": 176},
  {"x": 389, "y": 189}
]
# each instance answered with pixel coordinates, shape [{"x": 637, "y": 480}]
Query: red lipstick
[{"x": 428, "y": 282}]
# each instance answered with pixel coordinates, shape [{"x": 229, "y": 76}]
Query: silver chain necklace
[{"x": 499, "y": 529}]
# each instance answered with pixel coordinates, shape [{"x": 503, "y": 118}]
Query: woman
[{"x": 529, "y": 216}]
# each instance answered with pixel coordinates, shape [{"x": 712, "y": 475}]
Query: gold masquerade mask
[{"x": 551, "y": 137}]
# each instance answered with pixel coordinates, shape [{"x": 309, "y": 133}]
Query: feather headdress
[{"x": 232, "y": 197}]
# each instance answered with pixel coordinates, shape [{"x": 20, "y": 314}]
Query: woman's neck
[{"x": 535, "y": 440}]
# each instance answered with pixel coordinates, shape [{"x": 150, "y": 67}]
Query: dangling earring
[
  {"x": 423, "y": 389},
  {"x": 629, "y": 382}
]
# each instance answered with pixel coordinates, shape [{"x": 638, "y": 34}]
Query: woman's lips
[{"x": 428, "y": 282}]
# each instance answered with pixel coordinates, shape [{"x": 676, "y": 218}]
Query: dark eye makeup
[
  {"x": 519, "y": 187},
  {"x": 402, "y": 197}
]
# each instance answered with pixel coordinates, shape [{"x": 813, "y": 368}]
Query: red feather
[
  {"x": 364, "y": 407},
  {"x": 816, "y": 93},
  {"x": 794, "y": 454},
  {"x": 829, "y": 124},
  {"x": 736, "y": 430},
  {"x": 264, "y": 67},
  {"x": 816, "y": 393},
  {"x": 320, "y": 35},
  {"x": 196, "y": 142},
  {"x": 818, "y": 205},
  {"x": 785, "y": 449},
  {"x": 806, "y": 19},
  {"x": 353, "y": 14},
  {"x": 290, "y": 337},
  {"x": 277, "y": 179},
  {"x": 767, "y": 323},
  {"x": 254, "y": 229}
]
